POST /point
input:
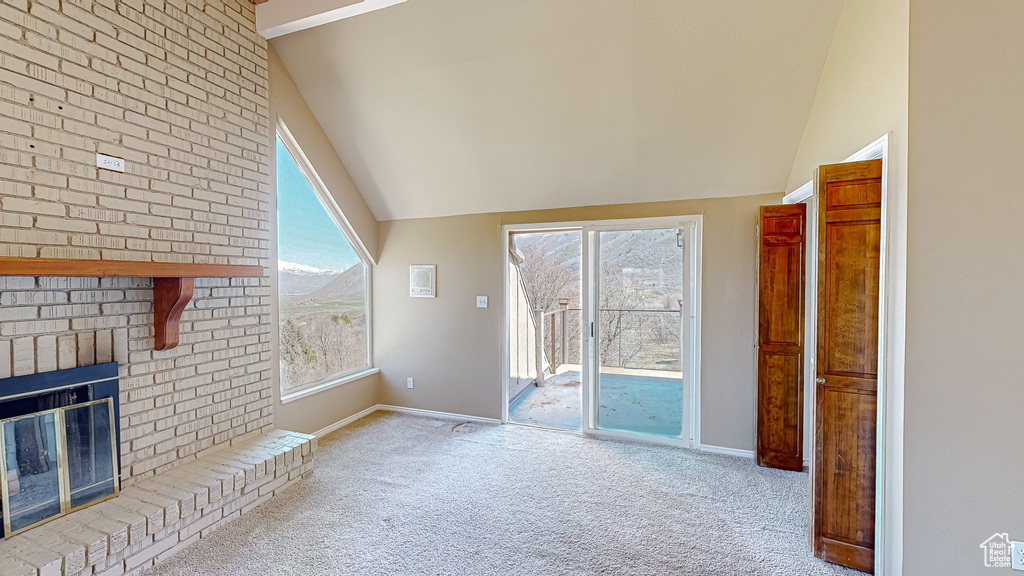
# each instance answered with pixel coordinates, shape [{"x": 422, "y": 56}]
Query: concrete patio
[{"x": 643, "y": 401}]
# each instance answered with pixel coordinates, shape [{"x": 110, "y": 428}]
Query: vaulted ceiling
[{"x": 442, "y": 107}]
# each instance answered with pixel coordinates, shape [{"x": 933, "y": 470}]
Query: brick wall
[{"x": 178, "y": 88}]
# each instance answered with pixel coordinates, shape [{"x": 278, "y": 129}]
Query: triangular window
[{"x": 323, "y": 280}]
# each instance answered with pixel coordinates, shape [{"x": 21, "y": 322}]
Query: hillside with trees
[
  {"x": 640, "y": 289},
  {"x": 323, "y": 324}
]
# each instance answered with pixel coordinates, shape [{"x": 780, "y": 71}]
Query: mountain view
[
  {"x": 641, "y": 273},
  {"x": 321, "y": 281},
  {"x": 295, "y": 278},
  {"x": 323, "y": 321}
]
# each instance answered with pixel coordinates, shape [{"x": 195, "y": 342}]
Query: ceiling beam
[{"x": 279, "y": 17}]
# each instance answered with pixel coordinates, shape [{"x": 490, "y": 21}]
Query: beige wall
[
  {"x": 322, "y": 409},
  {"x": 862, "y": 96},
  {"x": 453, "y": 349},
  {"x": 965, "y": 383}
]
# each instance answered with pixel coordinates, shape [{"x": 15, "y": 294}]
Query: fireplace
[{"x": 59, "y": 443}]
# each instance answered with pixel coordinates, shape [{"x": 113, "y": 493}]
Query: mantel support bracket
[
  {"x": 170, "y": 296},
  {"x": 173, "y": 282}
]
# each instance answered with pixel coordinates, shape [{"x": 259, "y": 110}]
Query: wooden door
[
  {"x": 780, "y": 337},
  {"x": 850, "y": 200}
]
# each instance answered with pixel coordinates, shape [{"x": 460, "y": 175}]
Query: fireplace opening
[{"x": 59, "y": 443}]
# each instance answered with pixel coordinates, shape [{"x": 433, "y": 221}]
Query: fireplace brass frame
[{"x": 63, "y": 476}]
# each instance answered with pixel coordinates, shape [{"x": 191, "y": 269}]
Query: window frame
[{"x": 336, "y": 214}]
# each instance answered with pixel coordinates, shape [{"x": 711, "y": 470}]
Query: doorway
[
  {"x": 544, "y": 385},
  {"x": 891, "y": 327},
  {"x": 618, "y": 352}
]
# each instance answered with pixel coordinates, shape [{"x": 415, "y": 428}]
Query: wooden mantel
[{"x": 173, "y": 283}]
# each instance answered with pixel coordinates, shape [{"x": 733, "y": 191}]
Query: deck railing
[{"x": 626, "y": 337}]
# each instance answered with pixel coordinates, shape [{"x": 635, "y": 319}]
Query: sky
[{"x": 306, "y": 233}]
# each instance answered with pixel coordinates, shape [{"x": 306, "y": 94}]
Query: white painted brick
[
  {"x": 11, "y": 566},
  {"x": 47, "y": 563},
  {"x": 15, "y": 204},
  {"x": 134, "y": 522},
  {"x": 67, "y": 351},
  {"x": 99, "y": 323},
  {"x": 69, "y": 529},
  {"x": 68, "y": 310},
  {"x": 9, "y": 313},
  {"x": 116, "y": 569},
  {"x": 183, "y": 98},
  {"x": 58, "y": 283},
  {"x": 29, "y": 298},
  {"x": 32, "y": 237},
  {"x": 33, "y": 327},
  {"x": 68, "y": 253},
  {"x": 17, "y": 251},
  {"x": 24, "y": 356},
  {"x": 146, "y": 555},
  {"x": 121, "y": 345},
  {"x": 114, "y": 532},
  {"x": 87, "y": 349},
  {"x": 46, "y": 353},
  {"x": 73, "y": 555},
  {"x": 16, "y": 283},
  {"x": 153, "y": 514},
  {"x": 104, "y": 346},
  {"x": 5, "y": 358},
  {"x": 65, "y": 224}
]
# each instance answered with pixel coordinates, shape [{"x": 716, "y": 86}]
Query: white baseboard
[
  {"x": 389, "y": 408},
  {"x": 453, "y": 416},
  {"x": 346, "y": 421},
  {"x": 435, "y": 414},
  {"x": 727, "y": 451}
]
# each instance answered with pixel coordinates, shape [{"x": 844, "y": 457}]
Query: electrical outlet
[
  {"x": 481, "y": 301},
  {"x": 109, "y": 163},
  {"x": 1017, "y": 558},
  {"x": 409, "y": 382}
]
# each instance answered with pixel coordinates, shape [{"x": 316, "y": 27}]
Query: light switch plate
[
  {"x": 481, "y": 301},
  {"x": 1017, "y": 555},
  {"x": 109, "y": 163}
]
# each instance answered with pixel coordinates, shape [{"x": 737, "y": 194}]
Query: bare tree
[
  {"x": 546, "y": 279},
  {"x": 640, "y": 270},
  {"x": 549, "y": 278}
]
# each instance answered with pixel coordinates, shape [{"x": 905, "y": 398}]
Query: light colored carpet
[{"x": 400, "y": 494}]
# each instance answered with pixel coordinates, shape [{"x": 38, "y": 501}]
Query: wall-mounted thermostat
[{"x": 423, "y": 280}]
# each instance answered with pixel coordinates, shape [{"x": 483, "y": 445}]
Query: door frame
[
  {"x": 891, "y": 348},
  {"x": 689, "y": 338},
  {"x": 695, "y": 223},
  {"x": 506, "y": 234}
]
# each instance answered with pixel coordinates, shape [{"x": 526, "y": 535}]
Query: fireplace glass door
[
  {"x": 32, "y": 481},
  {"x": 90, "y": 455},
  {"x": 56, "y": 461}
]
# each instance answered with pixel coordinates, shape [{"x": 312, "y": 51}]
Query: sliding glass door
[{"x": 640, "y": 310}]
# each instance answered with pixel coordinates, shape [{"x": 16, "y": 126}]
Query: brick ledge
[{"x": 151, "y": 520}]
